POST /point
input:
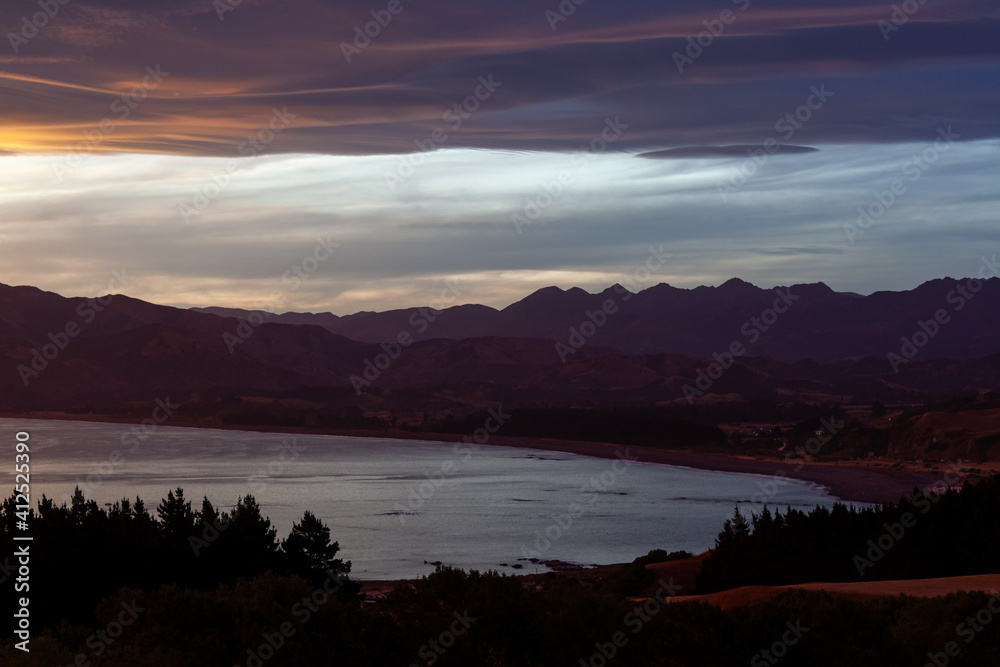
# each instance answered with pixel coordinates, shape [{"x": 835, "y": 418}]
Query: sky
[{"x": 309, "y": 155}]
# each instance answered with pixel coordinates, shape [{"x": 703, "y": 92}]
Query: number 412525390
[{"x": 22, "y": 479}]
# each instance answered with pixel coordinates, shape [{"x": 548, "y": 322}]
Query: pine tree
[
  {"x": 309, "y": 549},
  {"x": 176, "y": 517},
  {"x": 734, "y": 530}
]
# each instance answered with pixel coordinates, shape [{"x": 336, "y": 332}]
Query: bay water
[{"x": 396, "y": 507}]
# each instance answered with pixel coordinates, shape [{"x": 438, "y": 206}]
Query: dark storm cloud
[{"x": 228, "y": 69}]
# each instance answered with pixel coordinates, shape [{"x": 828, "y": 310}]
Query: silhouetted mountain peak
[
  {"x": 616, "y": 292},
  {"x": 662, "y": 288},
  {"x": 818, "y": 290},
  {"x": 548, "y": 298},
  {"x": 550, "y": 292},
  {"x": 734, "y": 283},
  {"x": 737, "y": 286}
]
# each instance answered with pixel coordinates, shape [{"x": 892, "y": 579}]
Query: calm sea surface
[{"x": 394, "y": 504}]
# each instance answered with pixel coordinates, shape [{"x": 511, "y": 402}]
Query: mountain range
[
  {"x": 661, "y": 346},
  {"x": 820, "y": 324}
]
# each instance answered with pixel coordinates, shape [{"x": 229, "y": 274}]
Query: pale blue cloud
[{"x": 452, "y": 218}]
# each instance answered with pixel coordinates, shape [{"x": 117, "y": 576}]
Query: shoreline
[{"x": 869, "y": 481}]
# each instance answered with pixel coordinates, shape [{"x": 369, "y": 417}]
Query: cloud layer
[
  {"x": 558, "y": 78},
  {"x": 211, "y": 147},
  {"x": 452, "y": 220}
]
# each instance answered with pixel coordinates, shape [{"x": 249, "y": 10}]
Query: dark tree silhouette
[
  {"x": 734, "y": 530},
  {"x": 309, "y": 548},
  {"x": 176, "y": 516}
]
